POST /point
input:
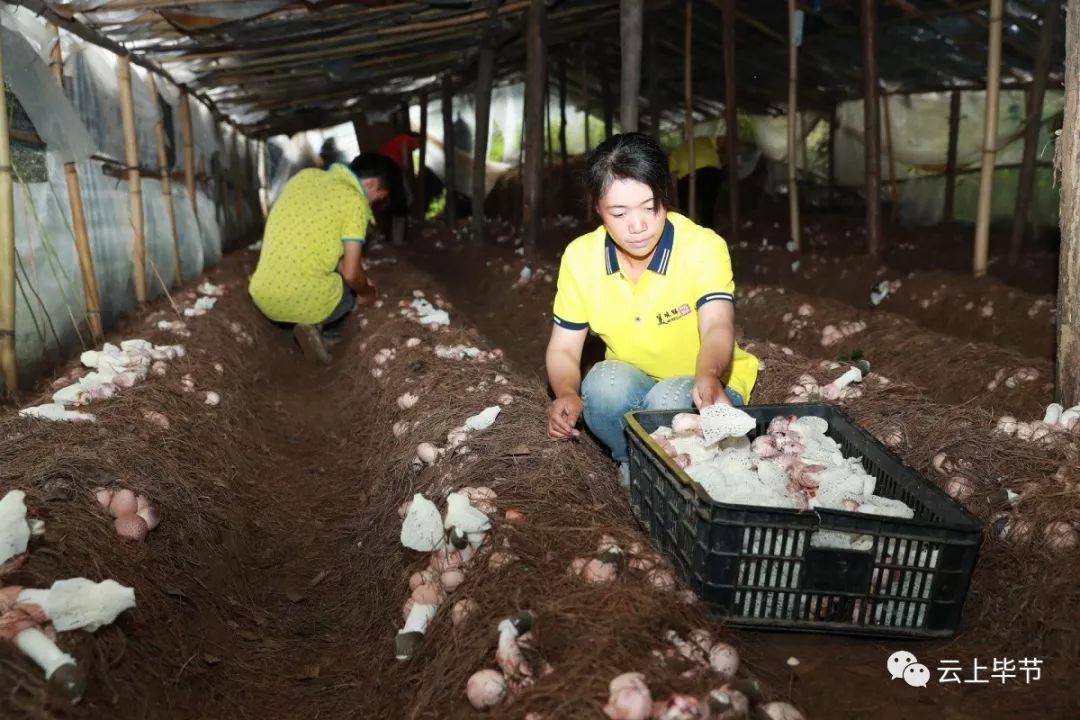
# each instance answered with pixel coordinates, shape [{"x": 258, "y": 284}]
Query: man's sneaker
[
  {"x": 624, "y": 475},
  {"x": 310, "y": 340}
]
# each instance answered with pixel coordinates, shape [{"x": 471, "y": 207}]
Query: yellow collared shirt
[
  {"x": 706, "y": 155},
  {"x": 652, "y": 324},
  {"x": 296, "y": 279}
]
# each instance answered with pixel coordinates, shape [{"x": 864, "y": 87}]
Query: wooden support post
[
  {"x": 166, "y": 179},
  {"x": 652, "y": 81},
  {"x": 234, "y": 176},
  {"x": 359, "y": 128},
  {"x": 870, "y": 124},
  {"x": 78, "y": 215},
  {"x": 605, "y": 95},
  {"x": 950, "y": 161},
  {"x": 8, "y": 365},
  {"x": 792, "y": 117},
  {"x": 549, "y": 149},
  {"x": 894, "y": 189},
  {"x": 986, "y": 177},
  {"x": 833, "y": 126},
  {"x": 731, "y": 120},
  {"x": 563, "y": 155},
  {"x": 1025, "y": 188},
  {"x": 131, "y": 158},
  {"x": 585, "y": 101},
  {"x": 421, "y": 190},
  {"x": 1067, "y": 160},
  {"x": 448, "y": 149},
  {"x": 485, "y": 76},
  {"x": 534, "y": 143},
  {"x": 264, "y": 180},
  {"x": 631, "y": 16},
  {"x": 408, "y": 171},
  {"x": 186, "y": 135},
  {"x": 688, "y": 100}
]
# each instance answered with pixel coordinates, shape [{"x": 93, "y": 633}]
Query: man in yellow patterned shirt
[{"x": 310, "y": 271}]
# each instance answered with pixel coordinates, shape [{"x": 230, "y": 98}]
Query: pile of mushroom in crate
[{"x": 795, "y": 464}]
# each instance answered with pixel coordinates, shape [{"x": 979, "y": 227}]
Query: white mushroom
[{"x": 78, "y": 603}]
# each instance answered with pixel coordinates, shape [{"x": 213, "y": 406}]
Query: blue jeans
[{"x": 613, "y": 388}]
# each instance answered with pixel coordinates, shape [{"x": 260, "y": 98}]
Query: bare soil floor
[{"x": 274, "y": 586}]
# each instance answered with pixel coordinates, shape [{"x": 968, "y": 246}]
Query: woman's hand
[
  {"x": 708, "y": 390},
  {"x": 563, "y": 415}
]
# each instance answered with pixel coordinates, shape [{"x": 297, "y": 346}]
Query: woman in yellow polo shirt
[{"x": 658, "y": 290}]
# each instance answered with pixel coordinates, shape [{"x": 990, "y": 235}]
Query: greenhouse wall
[{"x": 81, "y": 123}]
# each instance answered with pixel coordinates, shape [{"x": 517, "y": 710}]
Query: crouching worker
[
  {"x": 310, "y": 276},
  {"x": 657, "y": 289}
]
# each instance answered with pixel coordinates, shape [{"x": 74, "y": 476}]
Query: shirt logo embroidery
[{"x": 667, "y": 316}]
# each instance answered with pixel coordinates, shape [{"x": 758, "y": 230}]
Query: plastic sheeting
[
  {"x": 51, "y": 319},
  {"x": 53, "y": 117}
]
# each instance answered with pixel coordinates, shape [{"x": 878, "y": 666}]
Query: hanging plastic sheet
[{"x": 54, "y": 118}]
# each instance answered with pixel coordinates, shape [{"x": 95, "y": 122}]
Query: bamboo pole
[
  {"x": 563, "y": 155},
  {"x": 449, "y": 171},
  {"x": 406, "y": 159},
  {"x": 1067, "y": 373},
  {"x": 833, "y": 123},
  {"x": 792, "y": 115},
  {"x": 166, "y": 179},
  {"x": 1026, "y": 187},
  {"x": 131, "y": 158},
  {"x": 78, "y": 215},
  {"x": 631, "y": 16},
  {"x": 187, "y": 136},
  {"x": 605, "y": 94},
  {"x": 986, "y": 177},
  {"x": 534, "y": 143},
  {"x": 421, "y": 186},
  {"x": 264, "y": 181},
  {"x": 688, "y": 99},
  {"x": 950, "y": 160},
  {"x": 652, "y": 81},
  {"x": 731, "y": 119},
  {"x": 585, "y": 103},
  {"x": 485, "y": 76},
  {"x": 893, "y": 188},
  {"x": 872, "y": 131},
  {"x": 8, "y": 365},
  {"x": 549, "y": 150}
]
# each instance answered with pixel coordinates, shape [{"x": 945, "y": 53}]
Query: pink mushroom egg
[
  {"x": 598, "y": 571},
  {"x": 781, "y": 711},
  {"x": 451, "y": 579},
  {"x": 150, "y": 516},
  {"x": 104, "y": 497},
  {"x": 427, "y": 594},
  {"x": 516, "y": 517},
  {"x": 485, "y": 689},
  {"x": 419, "y": 578},
  {"x": 724, "y": 659},
  {"x": 131, "y": 526},
  {"x": 686, "y": 422},
  {"x": 461, "y": 610},
  {"x": 123, "y": 502},
  {"x": 661, "y": 579}
]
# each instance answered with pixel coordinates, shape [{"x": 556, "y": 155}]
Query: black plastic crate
[{"x": 767, "y": 567}]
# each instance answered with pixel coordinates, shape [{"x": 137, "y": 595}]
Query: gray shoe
[
  {"x": 309, "y": 337},
  {"x": 624, "y": 475}
]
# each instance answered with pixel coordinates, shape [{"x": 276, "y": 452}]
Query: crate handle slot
[{"x": 837, "y": 571}]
